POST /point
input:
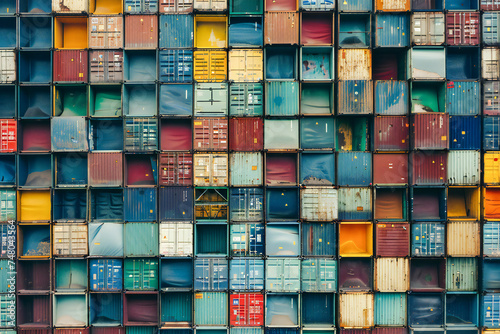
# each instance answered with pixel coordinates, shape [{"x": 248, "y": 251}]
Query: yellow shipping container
[
  {"x": 106, "y": 7},
  {"x": 392, "y": 274},
  {"x": 463, "y": 239},
  {"x": 355, "y": 64},
  {"x": 246, "y": 65},
  {"x": 356, "y": 239},
  {"x": 491, "y": 167},
  {"x": 210, "y": 66},
  {"x": 70, "y": 32},
  {"x": 210, "y": 32},
  {"x": 356, "y": 310},
  {"x": 33, "y": 206},
  {"x": 464, "y": 203},
  {"x": 210, "y": 170}
]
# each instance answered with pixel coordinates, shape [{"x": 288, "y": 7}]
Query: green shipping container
[{"x": 141, "y": 274}]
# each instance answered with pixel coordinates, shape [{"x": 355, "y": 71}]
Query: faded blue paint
[
  {"x": 177, "y": 307},
  {"x": 391, "y": 97},
  {"x": 355, "y": 6},
  {"x": 354, "y": 169},
  {"x": 141, "y": 134},
  {"x": 463, "y": 98},
  {"x": 105, "y": 239},
  {"x": 69, "y": 134},
  {"x": 390, "y": 309},
  {"x": 282, "y": 98},
  {"x": 355, "y": 97},
  {"x": 106, "y": 309},
  {"x": 392, "y": 30},
  {"x": 247, "y": 239},
  {"x": 316, "y": 133},
  {"x": 491, "y": 133},
  {"x": 141, "y": 239},
  {"x": 491, "y": 239},
  {"x": 283, "y": 239},
  {"x": 176, "y": 31},
  {"x": 319, "y": 275},
  {"x": 211, "y": 274},
  {"x": 140, "y": 204},
  {"x": 245, "y": 31},
  {"x": 282, "y": 309},
  {"x": 463, "y": 63},
  {"x": 462, "y": 310},
  {"x": 491, "y": 31},
  {"x": 246, "y": 274},
  {"x": 246, "y": 204},
  {"x": 176, "y": 100},
  {"x": 176, "y": 203},
  {"x": 428, "y": 239},
  {"x": 491, "y": 274},
  {"x": 319, "y": 239},
  {"x": 141, "y": 6},
  {"x": 317, "y": 168},
  {"x": 176, "y": 65},
  {"x": 465, "y": 133},
  {"x": 246, "y": 99},
  {"x": 491, "y": 310}
]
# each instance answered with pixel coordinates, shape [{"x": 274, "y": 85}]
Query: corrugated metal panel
[
  {"x": 392, "y": 29},
  {"x": 390, "y": 309},
  {"x": 141, "y": 32},
  {"x": 176, "y": 65},
  {"x": 319, "y": 239},
  {"x": 246, "y": 99},
  {"x": 69, "y": 134},
  {"x": 355, "y": 203},
  {"x": 465, "y": 132},
  {"x": 355, "y": 6},
  {"x": 210, "y": 309},
  {"x": 106, "y": 275},
  {"x": 461, "y": 274},
  {"x": 246, "y": 274},
  {"x": 392, "y": 133},
  {"x": 463, "y": 98},
  {"x": 7, "y": 66},
  {"x": 463, "y": 167},
  {"x": 176, "y": 31},
  {"x": 282, "y": 310},
  {"x": 428, "y": 167},
  {"x": 70, "y": 65},
  {"x": 141, "y": 134},
  {"x": 430, "y": 131},
  {"x": 355, "y": 97},
  {"x": 246, "y": 134},
  {"x": 491, "y": 310},
  {"x": 392, "y": 239},
  {"x": 246, "y": 169},
  {"x": 427, "y": 63},
  {"x": 140, "y": 274},
  {"x": 391, "y": 97},
  {"x": 354, "y": 169},
  {"x": 141, "y": 6},
  {"x": 247, "y": 309},
  {"x": 140, "y": 204},
  {"x": 176, "y": 239},
  {"x": 176, "y": 311},
  {"x": 491, "y": 133},
  {"x": 392, "y": 275},
  {"x": 490, "y": 64},
  {"x": 355, "y": 64},
  {"x": 247, "y": 239},
  {"x": 491, "y": 98},
  {"x": 70, "y": 240},
  {"x": 282, "y": 98},
  {"x": 246, "y": 204},
  {"x": 427, "y": 28},
  {"x": 245, "y": 65},
  {"x": 210, "y": 5},
  {"x": 319, "y": 204},
  {"x": 106, "y": 66},
  {"x": 282, "y": 275},
  {"x": 211, "y": 99},
  {"x": 70, "y": 6},
  {"x": 106, "y": 32},
  {"x": 463, "y": 28},
  {"x": 463, "y": 239},
  {"x": 176, "y": 169},
  {"x": 317, "y": 5},
  {"x": 176, "y": 203},
  {"x": 491, "y": 239},
  {"x": 356, "y": 310},
  {"x": 210, "y": 169},
  {"x": 319, "y": 275},
  {"x": 105, "y": 169},
  {"x": 141, "y": 239},
  {"x": 211, "y": 274},
  {"x": 281, "y": 134},
  {"x": 8, "y": 135},
  {"x": 210, "y": 134},
  {"x": 428, "y": 239},
  {"x": 490, "y": 31},
  {"x": 390, "y": 169},
  {"x": 176, "y": 6},
  {"x": 393, "y": 5},
  {"x": 281, "y": 28}
]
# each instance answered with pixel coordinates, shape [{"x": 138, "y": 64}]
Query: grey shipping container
[
  {"x": 282, "y": 275},
  {"x": 211, "y": 274}
]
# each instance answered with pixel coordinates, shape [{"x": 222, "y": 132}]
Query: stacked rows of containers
[{"x": 174, "y": 165}]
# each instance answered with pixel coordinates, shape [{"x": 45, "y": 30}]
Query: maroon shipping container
[
  {"x": 390, "y": 168},
  {"x": 392, "y": 239},
  {"x": 140, "y": 170},
  {"x": 247, "y": 309},
  {"x": 385, "y": 66},
  {"x": 210, "y": 134},
  {"x": 489, "y": 5},
  {"x": 176, "y": 6},
  {"x": 281, "y": 169},
  {"x": 33, "y": 311},
  {"x": 316, "y": 29},
  {"x": 427, "y": 275},
  {"x": 389, "y": 203},
  {"x": 105, "y": 169},
  {"x": 106, "y": 66},
  {"x": 428, "y": 167},
  {"x": 281, "y": 5},
  {"x": 246, "y": 134},
  {"x": 74, "y": 331},
  {"x": 71, "y": 65},
  {"x": 141, "y": 31},
  {"x": 140, "y": 309},
  {"x": 35, "y": 136},
  {"x": 355, "y": 274},
  {"x": 34, "y": 331},
  {"x": 430, "y": 131},
  {"x": 108, "y": 330},
  {"x": 426, "y": 204},
  {"x": 176, "y": 169},
  {"x": 463, "y": 28},
  {"x": 390, "y": 330},
  {"x": 33, "y": 275},
  {"x": 176, "y": 135},
  {"x": 391, "y": 133}
]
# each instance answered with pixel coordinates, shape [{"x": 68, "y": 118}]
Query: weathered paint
[
  {"x": 461, "y": 274},
  {"x": 319, "y": 204},
  {"x": 428, "y": 28},
  {"x": 319, "y": 275},
  {"x": 176, "y": 239},
  {"x": 283, "y": 275},
  {"x": 355, "y": 203},
  {"x": 392, "y": 275},
  {"x": 356, "y": 310},
  {"x": 391, "y": 97},
  {"x": 390, "y": 309}
]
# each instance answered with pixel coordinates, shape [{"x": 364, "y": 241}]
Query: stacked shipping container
[{"x": 249, "y": 166}]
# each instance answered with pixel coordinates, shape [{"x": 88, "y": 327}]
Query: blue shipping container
[
  {"x": 392, "y": 30},
  {"x": 491, "y": 310},
  {"x": 317, "y": 168},
  {"x": 465, "y": 133},
  {"x": 176, "y": 65},
  {"x": 463, "y": 98},
  {"x": 463, "y": 63},
  {"x": 491, "y": 239},
  {"x": 391, "y": 97},
  {"x": 105, "y": 239},
  {"x": 246, "y": 204},
  {"x": 141, "y": 6},
  {"x": 247, "y": 239},
  {"x": 319, "y": 239},
  {"x": 176, "y": 31},
  {"x": 246, "y": 274},
  {"x": 425, "y": 309},
  {"x": 211, "y": 274},
  {"x": 428, "y": 239},
  {"x": 106, "y": 309},
  {"x": 140, "y": 204},
  {"x": 176, "y": 100},
  {"x": 176, "y": 203},
  {"x": 317, "y": 133},
  {"x": 390, "y": 309},
  {"x": 282, "y": 203},
  {"x": 283, "y": 239},
  {"x": 245, "y": 32},
  {"x": 176, "y": 274},
  {"x": 491, "y": 274},
  {"x": 106, "y": 275},
  {"x": 354, "y": 169},
  {"x": 282, "y": 98},
  {"x": 491, "y": 133},
  {"x": 491, "y": 31},
  {"x": 462, "y": 310}
]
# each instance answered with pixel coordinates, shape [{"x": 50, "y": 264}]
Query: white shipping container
[
  {"x": 246, "y": 65},
  {"x": 70, "y": 6},
  {"x": 210, "y": 170},
  {"x": 427, "y": 28},
  {"x": 463, "y": 238},
  {"x": 356, "y": 310},
  {"x": 490, "y": 63},
  {"x": 210, "y": 5},
  {"x": 392, "y": 274},
  {"x": 70, "y": 239},
  {"x": 463, "y": 167},
  {"x": 176, "y": 239},
  {"x": 7, "y": 66},
  {"x": 319, "y": 204}
]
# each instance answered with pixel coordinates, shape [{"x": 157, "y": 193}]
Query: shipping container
[
  {"x": 140, "y": 274},
  {"x": 317, "y": 168},
  {"x": 490, "y": 64},
  {"x": 317, "y": 5},
  {"x": 70, "y": 240},
  {"x": 356, "y": 310},
  {"x": 210, "y": 309},
  {"x": 282, "y": 275},
  {"x": 246, "y": 204},
  {"x": 105, "y": 274},
  {"x": 391, "y": 275},
  {"x": 69, "y": 134},
  {"x": 140, "y": 170},
  {"x": 392, "y": 239},
  {"x": 390, "y": 168},
  {"x": 8, "y": 66},
  {"x": 211, "y": 100},
  {"x": 427, "y": 275},
  {"x": 462, "y": 310},
  {"x": 462, "y": 64},
  {"x": 34, "y": 67},
  {"x": 210, "y": 134},
  {"x": 210, "y": 31},
  {"x": 71, "y": 170},
  {"x": 105, "y": 310},
  {"x": 8, "y": 210},
  {"x": 176, "y": 6},
  {"x": 211, "y": 274},
  {"x": 281, "y": 27},
  {"x": 281, "y": 63},
  {"x": 176, "y": 239},
  {"x": 428, "y": 239},
  {"x": 105, "y": 7},
  {"x": 426, "y": 64},
  {"x": 106, "y": 66},
  {"x": 8, "y": 135},
  {"x": 246, "y": 309},
  {"x": 245, "y": 65},
  {"x": 490, "y": 275},
  {"x": 176, "y": 135},
  {"x": 106, "y": 32},
  {"x": 141, "y": 6},
  {"x": 283, "y": 239},
  {"x": 210, "y": 66},
  {"x": 176, "y": 65},
  {"x": 462, "y": 28},
  {"x": 319, "y": 239},
  {"x": 319, "y": 275},
  {"x": 8, "y": 94},
  {"x": 463, "y": 98},
  {"x": 393, "y": 6},
  {"x": 491, "y": 239},
  {"x": 281, "y": 5},
  {"x": 316, "y": 98},
  {"x": 461, "y": 274},
  {"x": 139, "y": 66},
  {"x": 176, "y": 274},
  {"x": 354, "y": 168},
  {"x": 430, "y": 131},
  {"x": 428, "y": 167},
  {"x": 70, "y": 32},
  {"x": 391, "y": 97},
  {"x": 354, "y": 31},
  {"x": 355, "y": 97},
  {"x": 253, "y": 137},
  {"x": 428, "y": 97},
  {"x": 426, "y": 310},
  {"x": 391, "y": 133},
  {"x": 8, "y": 170},
  {"x": 210, "y": 169},
  {"x": 356, "y": 239},
  {"x": 33, "y": 241},
  {"x": 141, "y": 134},
  {"x": 317, "y": 309},
  {"x": 211, "y": 239},
  {"x": 176, "y": 203},
  {"x": 428, "y": 28},
  {"x": 491, "y": 92},
  {"x": 245, "y": 7},
  {"x": 105, "y": 169},
  {"x": 34, "y": 101},
  {"x": 31, "y": 309},
  {"x": 428, "y": 204},
  {"x": 33, "y": 206},
  {"x": 317, "y": 64},
  {"x": 106, "y": 239},
  {"x": 140, "y": 308},
  {"x": 281, "y": 134},
  {"x": 390, "y": 204},
  {"x": 8, "y": 28},
  {"x": 396, "y": 303},
  {"x": 246, "y": 31},
  {"x": 282, "y": 98},
  {"x": 176, "y": 169},
  {"x": 246, "y": 274},
  {"x": 463, "y": 203},
  {"x": 106, "y": 205},
  {"x": 355, "y": 204},
  {"x": 141, "y": 239},
  {"x": 246, "y": 99},
  {"x": 176, "y": 31},
  {"x": 70, "y": 6},
  {"x": 177, "y": 310},
  {"x": 319, "y": 204},
  {"x": 491, "y": 166},
  {"x": 490, "y": 316},
  {"x": 353, "y": 134},
  {"x": 34, "y": 171},
  {"x": 316, "y": 29},
  {"x": 281, "y": 169},
  {"x": 491, "y": 129},
  {"x": 489, "y": 30},
  {"x": 490, "y": 198},
  {"x": 70, "y": 100},
  {"x": 282, "y": 310},
  {"x": 389, "y": 64},
  {"x": 32, "y": 276},
  {"x": 246, "y": 169},
  {"x": 70, "y": 310},
  {"x": 141, "y": 32},
  {"x": 176, "y": 100},
  {"x": 8, "y": 7}
]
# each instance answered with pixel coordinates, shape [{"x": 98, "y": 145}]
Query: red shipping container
[
  {"x": 462, "y": 28},
  {"x": 247, "y": 309},
  {"x": 72, "y": 331},
  {"x": 316, "y": 29},
  {"x": 108, "y": 330},
  {"x": 246, "y": 134},
  {"x": 281, "y": 169},
  {"x": 35, "y": 136},
  {"x": 210, "y": 134},
  {"x": 489, "y": 5},
  {"x": 71, "y": 65},
  {"x": 392, "y": 239},
  {"x": 105, "y": 169},
  {"x": 354, "y": 331},
  {"x": 176, "y": 135},
  {"x": 140, "y": 308},
  {"x": 176, "y": 169},
  {"x": 281, "y": 28},
  {"x": 390, "y": 168},
  {"x": 430, "y": 131},
  {"x": 140, "y": 170},
  {"x": 8, "y": 135},
  {"x": 428, "y": 167},
  {"x": 281, "y": 5},
  {"x": 385, "y": 66},
  {"x": 391, "y": 133},
  {"x": 34, "y": 331},
  {"x": 141, "y": 31}
]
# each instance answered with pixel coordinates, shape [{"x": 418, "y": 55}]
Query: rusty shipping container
[
  {"x": 176, "y": 169},
  {"x": 105, "y": 169},
  {"x": 70, "y": 65},
  {"x": 355, "y": 64},
  {"x": 390, "y": 168},
  {"x": 106, "y": 32},
  {"x": 463, "y": 28},
  {"x": 391, "y": 133},
  {"x": 392, "y": 239},
  {"x": 210, "y": 134},
  {"x": 393, "y": 5},
  {"x": 246, "y": 134},
  {"x": 428, "y": 167},
  {"x": 141, "y": 32},
  {"x": 430, "y": 131},
  {"x": 176, "y": 6},
  {"x": 106, "y": 66},
  {"x": 281, "y": 28}
]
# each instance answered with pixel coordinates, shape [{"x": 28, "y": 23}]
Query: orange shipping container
[
  {"x": 210, "y": 66},
  {"x": 393, "y": 5},
  {"x": 492, "y": 203},
  {"x": 281, "y": 28},
  {"x": 141, "y": 31},
  {"x": 106, "y": 32}
]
